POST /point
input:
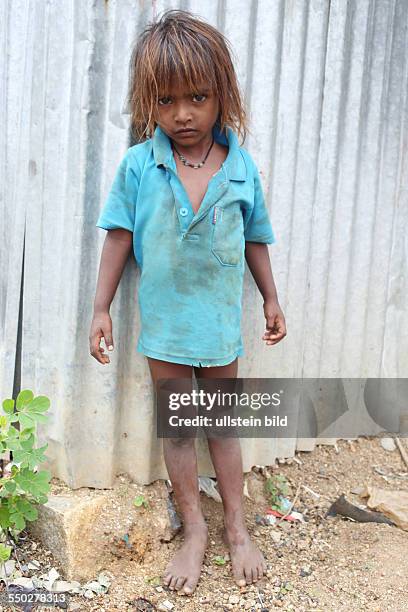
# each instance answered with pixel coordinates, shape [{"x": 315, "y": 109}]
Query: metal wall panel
[{"x": 326, "y": 87}]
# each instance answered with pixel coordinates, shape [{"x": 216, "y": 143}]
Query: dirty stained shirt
[{"x": 191, "y": 264}]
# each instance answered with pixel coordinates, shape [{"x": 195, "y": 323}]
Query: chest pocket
[{"x": 227, "y": 239}]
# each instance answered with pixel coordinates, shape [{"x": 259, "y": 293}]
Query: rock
[
  {"x": 388, "y": 444},
  {"x": 256, "y": 488},
  {"x": 7, "y": 568},
  {"x": 357, "y": 490},
  {"x": 34, "y": 565},
  {"x": 276, "y": 536},
  {"x": 84, "y": 528},
  {"x": 165, "y": 606},
  {"x": 234, "y": 599}
]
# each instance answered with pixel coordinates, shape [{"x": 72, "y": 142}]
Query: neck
[{"x": 197, "y": 151}]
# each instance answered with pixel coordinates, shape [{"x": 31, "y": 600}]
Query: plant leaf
[
  {"x": 30, "y": 458},
  {"x": 24, "y": 398},
  {"x": 5, "y": 552},
  {"x": 35, "y": 483},
  {"x": 8, "y": 405}
]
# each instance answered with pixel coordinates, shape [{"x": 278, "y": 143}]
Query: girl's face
[{"x": 181, "y": 108}]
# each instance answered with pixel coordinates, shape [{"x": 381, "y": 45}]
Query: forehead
[{"x": 181, "y": 88}]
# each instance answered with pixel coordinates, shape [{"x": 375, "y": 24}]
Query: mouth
[{"x": 185, "y": 132}]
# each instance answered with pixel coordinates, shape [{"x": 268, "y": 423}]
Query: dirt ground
[{"x": 329, "y": 564}]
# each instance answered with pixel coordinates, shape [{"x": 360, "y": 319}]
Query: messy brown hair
[{"x": 183, "y": 45}]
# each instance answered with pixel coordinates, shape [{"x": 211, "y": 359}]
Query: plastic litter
[
  {"x": 207, "y": 486},
  {"x": 293, "y": 516}
]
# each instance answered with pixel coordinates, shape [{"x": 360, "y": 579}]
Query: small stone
[
  {"x": 257, "y": 533},
  {"x": 159, "y": 589},
  {"x": 165, "y": 605},
  {"x": 33, "y": 564},
  {"x": 388, "y": 444},
  {"x": 276, "y": 536},
  {"x": 233, "y": 599}
]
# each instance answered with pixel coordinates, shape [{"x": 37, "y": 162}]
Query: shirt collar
[{"x": 234, "y": 162}]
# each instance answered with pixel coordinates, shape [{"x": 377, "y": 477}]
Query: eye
[
  {"x": 200, "y": 96},
  {"x": 164, "y": 101}
]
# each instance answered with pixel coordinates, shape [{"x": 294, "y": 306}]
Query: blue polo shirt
[{"x": 192, "y": 265}]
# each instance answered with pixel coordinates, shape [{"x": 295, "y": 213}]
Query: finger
[
  {"x": 108, "y": 340},
  {"x": 97, "y": 350},
  {"x": 270, "y": 335},
  {"x": 276, "y": 340}
]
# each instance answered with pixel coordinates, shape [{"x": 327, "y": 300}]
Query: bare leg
[
  {"x": 248, "y": 563},
  {"x": 183, "y": 572}
]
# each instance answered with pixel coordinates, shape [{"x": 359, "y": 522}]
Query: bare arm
[
  {"x": 257, "y": 257},
  {"x": 115, "y": 253}
]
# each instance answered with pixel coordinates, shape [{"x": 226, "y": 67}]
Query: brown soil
[{"x": 330, "y": 564}]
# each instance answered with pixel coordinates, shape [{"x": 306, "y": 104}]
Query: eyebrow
[{"x": 204, "y": 90}]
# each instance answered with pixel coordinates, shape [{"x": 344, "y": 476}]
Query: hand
[
  {"x": 101, "y": 327},
  {"x": 275, "y": 322}
]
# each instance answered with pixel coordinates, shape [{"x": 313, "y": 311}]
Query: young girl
[{"x": 188, "y": 199}]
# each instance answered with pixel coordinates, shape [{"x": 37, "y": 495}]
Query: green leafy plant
[
  {"x": 219, "y": 560},
  {"x": 277, "y": 487},
  {"x": 154, "y": 581},
  {"x": 140, "y": 500},
  {"x": 23, "y": 487}
]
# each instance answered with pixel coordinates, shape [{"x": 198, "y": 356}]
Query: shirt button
[{"x": 183, "y": 211}]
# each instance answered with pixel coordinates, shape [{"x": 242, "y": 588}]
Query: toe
[
  {"x": 260, "y": 571},
  {"x": 173, "y": 582},
  {"x": 239, "y": 578},
  {"x": 189, "y": 587},
  {"x": 179, "y": 582},
  {"x": 248, "y": 575},
  {"x": 166, "y": 579}
]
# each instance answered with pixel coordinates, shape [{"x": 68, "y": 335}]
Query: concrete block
[{"x": 85, "y": 528}]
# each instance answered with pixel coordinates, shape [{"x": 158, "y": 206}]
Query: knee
[{"x": 179, "y": 442}]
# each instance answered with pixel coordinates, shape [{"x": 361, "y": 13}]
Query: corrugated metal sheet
[{"x": 326, "y": 86}]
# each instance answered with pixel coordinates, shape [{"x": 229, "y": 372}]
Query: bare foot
[
  {"x": 183, "y": 571},
  {"x": 248, "y": 563}
]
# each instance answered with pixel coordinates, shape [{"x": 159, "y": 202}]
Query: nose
[{"x": 182, "y": 113}]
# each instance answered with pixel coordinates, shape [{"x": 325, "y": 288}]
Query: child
[{"x": 189, "y": 200}]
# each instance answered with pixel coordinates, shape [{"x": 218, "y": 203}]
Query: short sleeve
[
  {"x": 257, "y": 225},
  {"x": 120, "y": 205}
]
